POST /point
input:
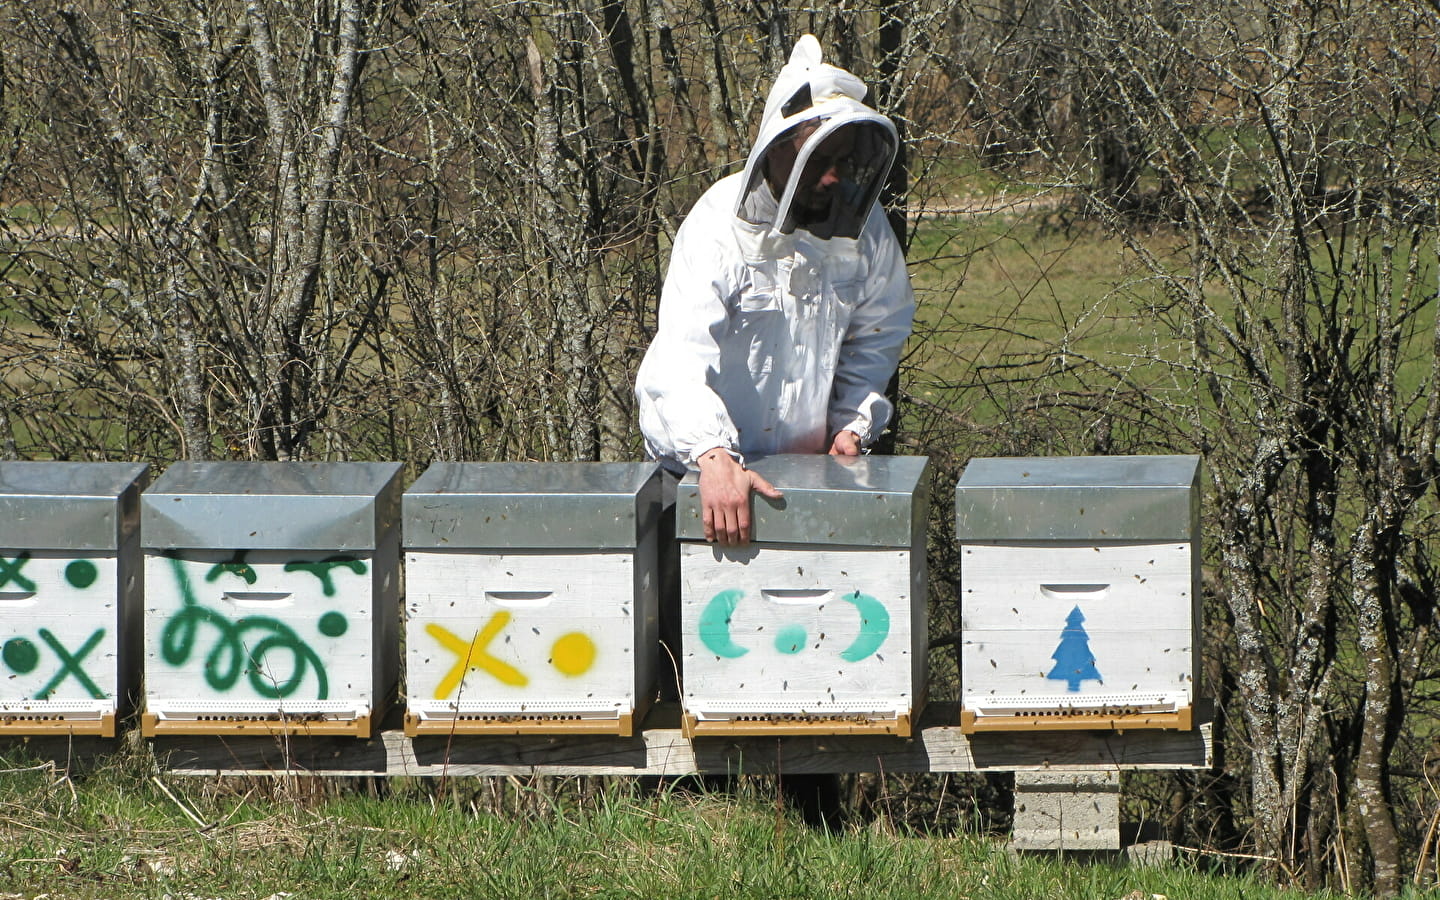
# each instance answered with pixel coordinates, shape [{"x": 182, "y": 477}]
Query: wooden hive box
[
  {"x": 819, "y": 625},
  {"x": 272, "y": 597},
  {"x": 70, "y": 588},
  {"x": 1079, "y": 592},
  {"x": 531, "y": 597}
]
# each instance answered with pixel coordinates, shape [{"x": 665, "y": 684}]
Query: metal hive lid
[
  {"x": 499, "y": 505},
  {"x": 1135, "y": 498},
  {"x": 271, "y": 505},
  {"x": 69, "y": 505},
  {"x": 861, "y": 501}
]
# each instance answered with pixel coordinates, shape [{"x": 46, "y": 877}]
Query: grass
[{"x": 121, "y": 832}]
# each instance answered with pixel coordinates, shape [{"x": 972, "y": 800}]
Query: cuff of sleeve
[
  {"x": 702, "y": 449},
  {"x": 860, "y": 427}
]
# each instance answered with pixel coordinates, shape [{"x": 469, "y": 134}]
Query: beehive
[
  {"x": 531, "y": 597},
  {"x": 70, "y": 586},
  {"x": 272, "y": 597},
  {"x": 819, "y": 625},
  {"x": 1079, "y": 592}
]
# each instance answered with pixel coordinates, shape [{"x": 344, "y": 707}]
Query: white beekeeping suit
[{"x": 787, "y": 300}]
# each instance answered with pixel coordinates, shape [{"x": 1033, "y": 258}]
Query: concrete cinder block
[{"x": 1066, "y": 811}]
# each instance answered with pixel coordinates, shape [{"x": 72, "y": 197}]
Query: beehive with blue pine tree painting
[
  {"x": 70, "y": 592},
  {"x": 819, "y": 625},
  {"x": 1079, "y": 583},
  {"x": 272, "y": 597},
  {"x": 531, "y": 597}
]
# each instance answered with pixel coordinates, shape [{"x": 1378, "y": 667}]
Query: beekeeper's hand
[
  {"x": 725, "y": 488},
  {"x": 846, "y": 443}
]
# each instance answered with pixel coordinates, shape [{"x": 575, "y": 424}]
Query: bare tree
[{"x": 1289, "y": 155}]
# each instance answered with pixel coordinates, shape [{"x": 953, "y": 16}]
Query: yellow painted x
[{"x": 472, "y": 655}]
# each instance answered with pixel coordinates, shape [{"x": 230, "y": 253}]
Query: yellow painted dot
[{"x": 573, "y": 654}]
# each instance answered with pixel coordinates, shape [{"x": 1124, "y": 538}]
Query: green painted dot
[
  {"x": 20, "y": 655},
  {"x": 790, "y": 639},
  {"x": 333, "y": 624},
  {"x": 81, "y": 573}
]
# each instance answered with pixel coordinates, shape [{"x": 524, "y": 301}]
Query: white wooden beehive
[
  {"x": 1079, "y": 592},
  {"x": 70, "y": 585},
  {"x": 271, "y": 601},
  {"x": 531, "y": 597},
  {"x": 819, "y": 625}
]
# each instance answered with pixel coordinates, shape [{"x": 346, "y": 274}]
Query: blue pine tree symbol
[{"x": 1074, "y": 662}]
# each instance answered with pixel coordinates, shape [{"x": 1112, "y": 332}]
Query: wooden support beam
[{"x": 660, "y": 748}]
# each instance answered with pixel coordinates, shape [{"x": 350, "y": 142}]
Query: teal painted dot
[
  {"x": 81, "y": 573},
  {"x": 790, "y": 639},
  {"x": 20, "y": 655},
  {"x": 333, "y": 624}
]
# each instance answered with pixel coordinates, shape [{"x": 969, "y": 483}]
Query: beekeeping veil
[{"x": 821, "y": 155}]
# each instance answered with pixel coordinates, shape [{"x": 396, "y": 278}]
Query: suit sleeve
[
  {"x": 681, "y": 416},
  {"x": 878, "y": 328}
]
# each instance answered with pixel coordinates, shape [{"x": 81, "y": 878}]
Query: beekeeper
[{"x": 786, "y": 302}]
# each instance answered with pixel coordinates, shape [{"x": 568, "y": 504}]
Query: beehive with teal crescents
[
  {"x": 272, "y": 597},
  {"x": 531, "y": 597},
  {"x": 1080, "y": 604},
  {"x": 819, "y": 625},
  {"x": 70, "y": 589}
]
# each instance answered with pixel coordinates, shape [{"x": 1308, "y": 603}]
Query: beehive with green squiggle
[{"x": 272, "y": 594}]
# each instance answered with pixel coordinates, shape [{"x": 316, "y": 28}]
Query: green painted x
[
  {"x": 70, "y": 664},
  {"x": 10, "y": 571}
]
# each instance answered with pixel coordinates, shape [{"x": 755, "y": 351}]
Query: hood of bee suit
[{"x": 820, "y": 158}]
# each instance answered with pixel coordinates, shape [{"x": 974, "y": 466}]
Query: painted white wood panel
[
  {"x": 59, "y": 629},
  {"x": 797, "y": 629},
  {"x": 1077, "y": 624},
  {"x": 1010, "y": 663},
  {"x": 243, "y": 631},
  {"x": 521, "y": 631},
  {"x": 1132, "y": 587}
]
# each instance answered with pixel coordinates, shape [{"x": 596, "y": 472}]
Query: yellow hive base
[
  {"x": 1077, "y": 720},
  {"x": 415, "y": 726},
  {"x": 525, "y": 723},
  {"x": 793, "y": 725},
  {"x": 152, "y": 725},
  {"x": 54, "y": 724}
]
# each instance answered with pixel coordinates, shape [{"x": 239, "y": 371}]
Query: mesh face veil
[
  {"x": 835, "y": 180},
  {"x": 822, "y": 155}
]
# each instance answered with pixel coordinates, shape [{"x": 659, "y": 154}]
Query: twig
[
  {"x": 199, "y": 822},
  {"x": 1429, "y": 841},
  {"x": 39, "y": 768},
  {"x": 1202, "y": 852}
]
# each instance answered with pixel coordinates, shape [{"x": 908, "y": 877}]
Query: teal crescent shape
[
  {"x": 715, "y": 625},
  {"x": 874, "y": 627}
]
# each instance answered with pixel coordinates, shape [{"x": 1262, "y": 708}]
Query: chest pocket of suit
[
  {"x": 846, "y": 280},
  {"x": 839, "y": 306},
  {"x": 757, "y": 302},
  {"x": 755, "y": 329}
]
